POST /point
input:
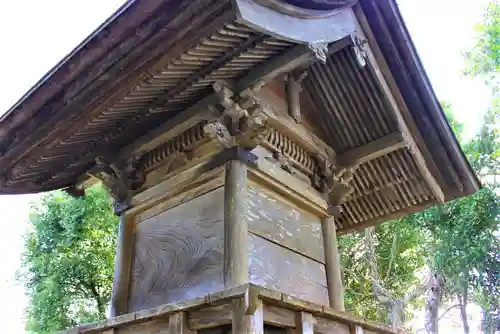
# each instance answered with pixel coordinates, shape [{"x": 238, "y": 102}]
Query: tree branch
[
  {"x": 448, "y": 310},
  {"x": 392, "y": 258}
]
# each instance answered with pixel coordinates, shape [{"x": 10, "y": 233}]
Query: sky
[{"x": 35, "y": 35}]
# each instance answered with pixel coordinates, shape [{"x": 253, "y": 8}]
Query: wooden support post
[
  {"x": 123, "y": 258},
  {"x": 332, "y": 264},
  {"x": 248, "y": 319},
  {"x": 177, "y": 323},
  {"x": 304, "y": 324},
  {"x": 235, "y": 225}
]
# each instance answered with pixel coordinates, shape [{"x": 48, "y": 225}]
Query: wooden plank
[
  {"x": 373, "y": 150},
  {"x": 159, "y": 326},
  {"x": 405, "y": 121},
  {"x": 243, "y": 322},
  {"x": 177, "y": 323},
  {"x": 209, "y": 317},
  {"x": 332, "y": 265},
  {"x": 278, "y": 268},
  {"x": 123, "y": 262},
  {"x": 179, "y": 253},
  {"x": 282, "y": 223},
  {"x": 290, "y": 187},
  {"x": 235, "y": 225},
  {"x": 326, "y": 326},
  {"x": 279, "y": 316}
]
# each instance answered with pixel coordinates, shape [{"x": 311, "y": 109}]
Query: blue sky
[{"x": 35, "y": 35}]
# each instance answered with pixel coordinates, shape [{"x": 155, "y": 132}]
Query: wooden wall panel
[
  {"x": 281, "y": 269},
  {"x": 179, "y": 253},
  {"x": 282, "y": 223}
]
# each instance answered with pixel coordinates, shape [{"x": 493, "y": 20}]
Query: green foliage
[
  {"x": 484, "y": 58},
  {"x": 68, "y": 260}
]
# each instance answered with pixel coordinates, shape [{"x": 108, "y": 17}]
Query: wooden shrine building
[{"x": 237, "y": 138}]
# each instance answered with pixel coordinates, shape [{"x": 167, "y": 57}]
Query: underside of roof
[{"x": 153, "y": 59}]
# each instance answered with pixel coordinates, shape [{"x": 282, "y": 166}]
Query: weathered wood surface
[
  {"x": 179, "y": 253},
  {"x": 123, "y": 262},
  {"x": 278, "y": 310},
  {"x": 278, "y": 268},
  {"x": 283, "y": 223},
  {"x": 235, "y": 232},
  {"x": 245, "y": 320},
  {"x": 332, "y": 265}
]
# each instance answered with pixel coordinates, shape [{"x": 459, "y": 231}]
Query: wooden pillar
[
  {"x": 304, "y": 324},
  {"x": 245, "y": 321},
  {"x": 235, "y": 225},
  {"x": 123, "y": 258},
  {"x": 332, "y": 264},
  {"x": 177, "y": 323}
]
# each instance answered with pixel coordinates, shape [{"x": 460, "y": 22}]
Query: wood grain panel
[
  {"x": 179, "y": 253},
  {"x": 281, "y": 269},
  {"x": 282, "y": 223}
]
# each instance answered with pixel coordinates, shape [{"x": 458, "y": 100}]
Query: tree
[{"x": 69, "y": 259}]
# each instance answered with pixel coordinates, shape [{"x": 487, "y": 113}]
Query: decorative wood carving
[
  {"x": 334, "y": 182},
  {"x": 293, "y": 90},
  {"x": 240, "y": 122},
  {"x": 120, "y": 182},
  {"x": 320, "y": 51}
]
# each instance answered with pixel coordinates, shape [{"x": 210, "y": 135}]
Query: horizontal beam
[
  {"x": 299, "y": 56},
  {"x": 371, "y": 151}
]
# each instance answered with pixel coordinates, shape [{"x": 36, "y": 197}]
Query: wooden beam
[
  {"x": 405, "y": 121},
  {"x": 371, "y": 151},
  {"x": 174, "y": 126},
  {"x": 332, "y": 264},
  {"x": 235, "y": 225},
  {"x": 299, "y": 56}
]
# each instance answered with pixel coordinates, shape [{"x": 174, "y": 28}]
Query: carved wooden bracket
[
  {"x": 293, "y": 89},
  {"x": 120, "y": 182},
  {"x": 334, "y": 183},
  {"x": 240, "y": 122}
]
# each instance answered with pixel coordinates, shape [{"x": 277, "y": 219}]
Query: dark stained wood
[
  {"x": 278, "y": 268},
  {"x": 405, "y": 121},
  {"x": 282, "y": 223},
  {"x": 299, "y": 56},
  {"x": 235, "y": 225},
  {"x": 123, "y": 262},
  {"x": 332, "y": 265},
  {"x": 373, "y": 150},
  {"x": 179, "y": 253}
]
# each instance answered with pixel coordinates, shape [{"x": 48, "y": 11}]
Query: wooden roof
[{"x": 154, "y": 58}]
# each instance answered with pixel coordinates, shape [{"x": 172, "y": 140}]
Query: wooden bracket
[
  {"x": 334, "y": 182},
  {"x": 120, "y": 182},
  {"x": 241, "y": 121},
  {"x": 293, "y": 90}
]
